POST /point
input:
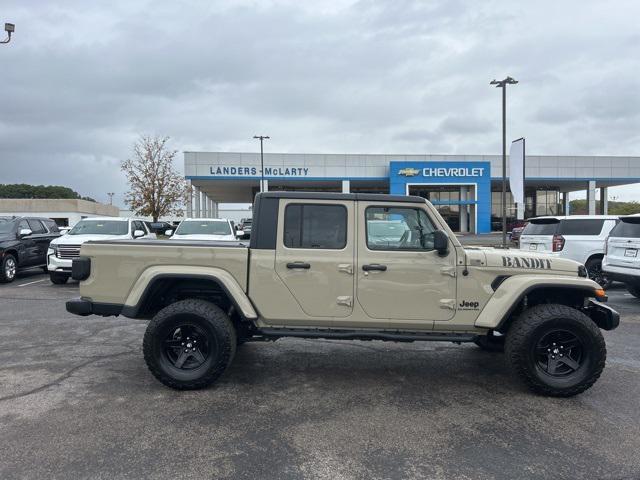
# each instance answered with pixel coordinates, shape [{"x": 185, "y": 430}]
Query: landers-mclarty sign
[
  {"x": 255, "y": 171},
  {"x": 443, "y": 172}
]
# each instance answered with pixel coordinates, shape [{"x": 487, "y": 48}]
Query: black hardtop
[{"x": 358, "y": 197}]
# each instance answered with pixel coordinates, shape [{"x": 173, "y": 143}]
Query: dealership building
[{"x": 466, "y": 189}]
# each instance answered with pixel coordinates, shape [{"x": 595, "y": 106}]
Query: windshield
[
  {"x": 547, "y": 227},
  {"x": 100, "y": 227},
  {"x": 7, "y": 225},
  {"x": 203, "y": 227}
]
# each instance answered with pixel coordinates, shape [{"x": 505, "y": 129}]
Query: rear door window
[
  {"x": 581, "y": 227},
  {"x": 36, "y": 226},
  {"x": 315, "y": 226},
  {"x": 627, "y": 229},
  {"x": 546, "y": 227}
]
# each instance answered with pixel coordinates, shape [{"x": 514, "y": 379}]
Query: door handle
[
  {"x": 300, "y": 265},
  {"x": 374, "y": 266}
]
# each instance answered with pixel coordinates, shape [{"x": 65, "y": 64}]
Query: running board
[{"x": 275, "y": 333}]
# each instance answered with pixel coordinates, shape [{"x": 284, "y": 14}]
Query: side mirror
[
  {"x": 168, "y": 233},
  {"x": 441, "y": 243},
  {"x": 239, "y": 233},
  {"x": 138, "y": 233},
  {"x": 24, "y": 232}
]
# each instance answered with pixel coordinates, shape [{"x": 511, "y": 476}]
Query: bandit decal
[{"x": 526, "y": 262}]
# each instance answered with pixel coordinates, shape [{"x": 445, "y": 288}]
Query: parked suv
[
  {"x": 23, "y": 244},
  {"x": 578, "y": 237},
  {"x": 621, "y": 261},
  {"x": 244, "y": 229},
  {"x": 63, "y": 250},
  {"x": 204, "y": 229}
]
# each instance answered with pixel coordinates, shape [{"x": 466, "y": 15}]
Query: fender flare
[
  {"x": 513, "y": 289},
  {"x": 223, "y": 278}
]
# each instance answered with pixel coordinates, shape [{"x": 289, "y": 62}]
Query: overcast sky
[{"x": 81, "y": 80}]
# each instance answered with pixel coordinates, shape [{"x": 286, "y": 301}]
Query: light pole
[
  {"x": 503, "y": 85},
  {"x": 261, "y": 138},
  {"x": 9, "y": 28},
  {"x": 111, "y": 194}
]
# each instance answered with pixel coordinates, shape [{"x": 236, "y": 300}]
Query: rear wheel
[
  {"x": 189, "y": 344},
  {"x": 8, "y": 268},
  {"x": 59, "y": 278},
  {"x": 594, "y": 270},
  {"x": 557, "y": 350},
  {"x": 633, "y": 290}
]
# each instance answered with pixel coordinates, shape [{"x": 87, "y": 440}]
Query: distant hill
[
  {"x": 23, "y": 190},
  {"x": 579, "y": 207}
]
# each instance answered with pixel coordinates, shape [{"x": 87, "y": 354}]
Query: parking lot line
[{"x": 31, "y": 283}]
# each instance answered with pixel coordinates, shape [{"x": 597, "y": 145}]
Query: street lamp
[
  {"x": 261, "y": 138},
  {"x": 503, "y": 85},
  {"x": 9, "y": 28}
]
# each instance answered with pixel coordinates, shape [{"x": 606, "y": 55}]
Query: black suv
[{"x": 23, "y": 244}]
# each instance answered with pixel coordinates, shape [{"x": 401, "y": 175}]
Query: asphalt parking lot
[{"x": 76, "y": 401}]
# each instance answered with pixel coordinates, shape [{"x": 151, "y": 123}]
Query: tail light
[
  {"x": 557, "y": 243},
  {"x": 606, "y": 245}
]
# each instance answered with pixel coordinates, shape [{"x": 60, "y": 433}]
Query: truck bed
[{"x": 116, "y": 265}]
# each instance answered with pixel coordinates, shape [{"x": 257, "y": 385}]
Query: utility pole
[
  {"x": 9, "y": 28},
  {"x": 261, "y": 138},
  {"x": 503, "y": 85}
]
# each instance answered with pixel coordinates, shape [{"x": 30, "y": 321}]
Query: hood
[
  {"x": 80, "y": 239},
  {"x": 195, "y": 236},
  {"x": 522, "y": 261}
]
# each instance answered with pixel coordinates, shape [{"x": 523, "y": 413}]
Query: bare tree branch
[{"x": 156, "y": 189}]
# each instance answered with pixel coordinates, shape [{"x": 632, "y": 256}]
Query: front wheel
[
  {"x": 59, "y": 278},
  {"x": 8, "y": 269},
  {"x": 189, "y": 344},
  {"x": 557, "y": 350},
  {"x": 595, "y": 272}
]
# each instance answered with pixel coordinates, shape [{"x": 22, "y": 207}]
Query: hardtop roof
[{"x": 358, "y": 197}]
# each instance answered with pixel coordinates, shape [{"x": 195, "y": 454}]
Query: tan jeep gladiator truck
[{"x": 352, "y": 267}]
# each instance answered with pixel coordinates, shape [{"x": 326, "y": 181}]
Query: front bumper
[
  {"x": 83, "y": 307},
  {"x": 55, "y": 264},
  {"x": 604, "y": 316}
]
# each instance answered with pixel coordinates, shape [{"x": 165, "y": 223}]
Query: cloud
[{"x": 81, "y": 80}]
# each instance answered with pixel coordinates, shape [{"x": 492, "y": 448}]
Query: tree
[
  {"x": 155, "y": 187},
  {"x": 24, "y": 190}
]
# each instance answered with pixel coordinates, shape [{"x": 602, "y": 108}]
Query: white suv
[
  {"x": 64, "y": 249},
  {"x": 578, "y": 237},
  {"x": 621, "y": 261},
  {"x": 216, "y": 229}
]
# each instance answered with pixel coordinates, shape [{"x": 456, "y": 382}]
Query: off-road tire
[
  {"x": 527, "y": 330},
  {"x": 489, "y": 343},
  {"x": 5, "y": 277},
  {"x": 218, "y": 329},
  {"x": 594, "y": 265},
  {"x": 633, "y": 290},
  {"x": 59, "y": 278}
]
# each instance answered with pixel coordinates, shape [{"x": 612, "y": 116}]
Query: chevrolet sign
[{"x": 409, "y": 172}]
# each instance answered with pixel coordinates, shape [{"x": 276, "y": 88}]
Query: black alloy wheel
[
  {"x": 559, "y": 353},
  {"x": 187, "y": 347}
]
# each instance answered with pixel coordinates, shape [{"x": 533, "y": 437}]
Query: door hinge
[
  {"x": 345, "y": 268},
  {"x": 451, "y": 271},
  {"x": 346, "y": 300},
  {"x": 449, "y": 303}
]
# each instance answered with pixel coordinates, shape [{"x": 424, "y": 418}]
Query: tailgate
[
  {"x": 536, "y": 243},
  {"x": 623, "y": 252}
]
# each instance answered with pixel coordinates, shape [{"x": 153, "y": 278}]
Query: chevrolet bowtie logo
[{"x": 409, "y": 172}]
